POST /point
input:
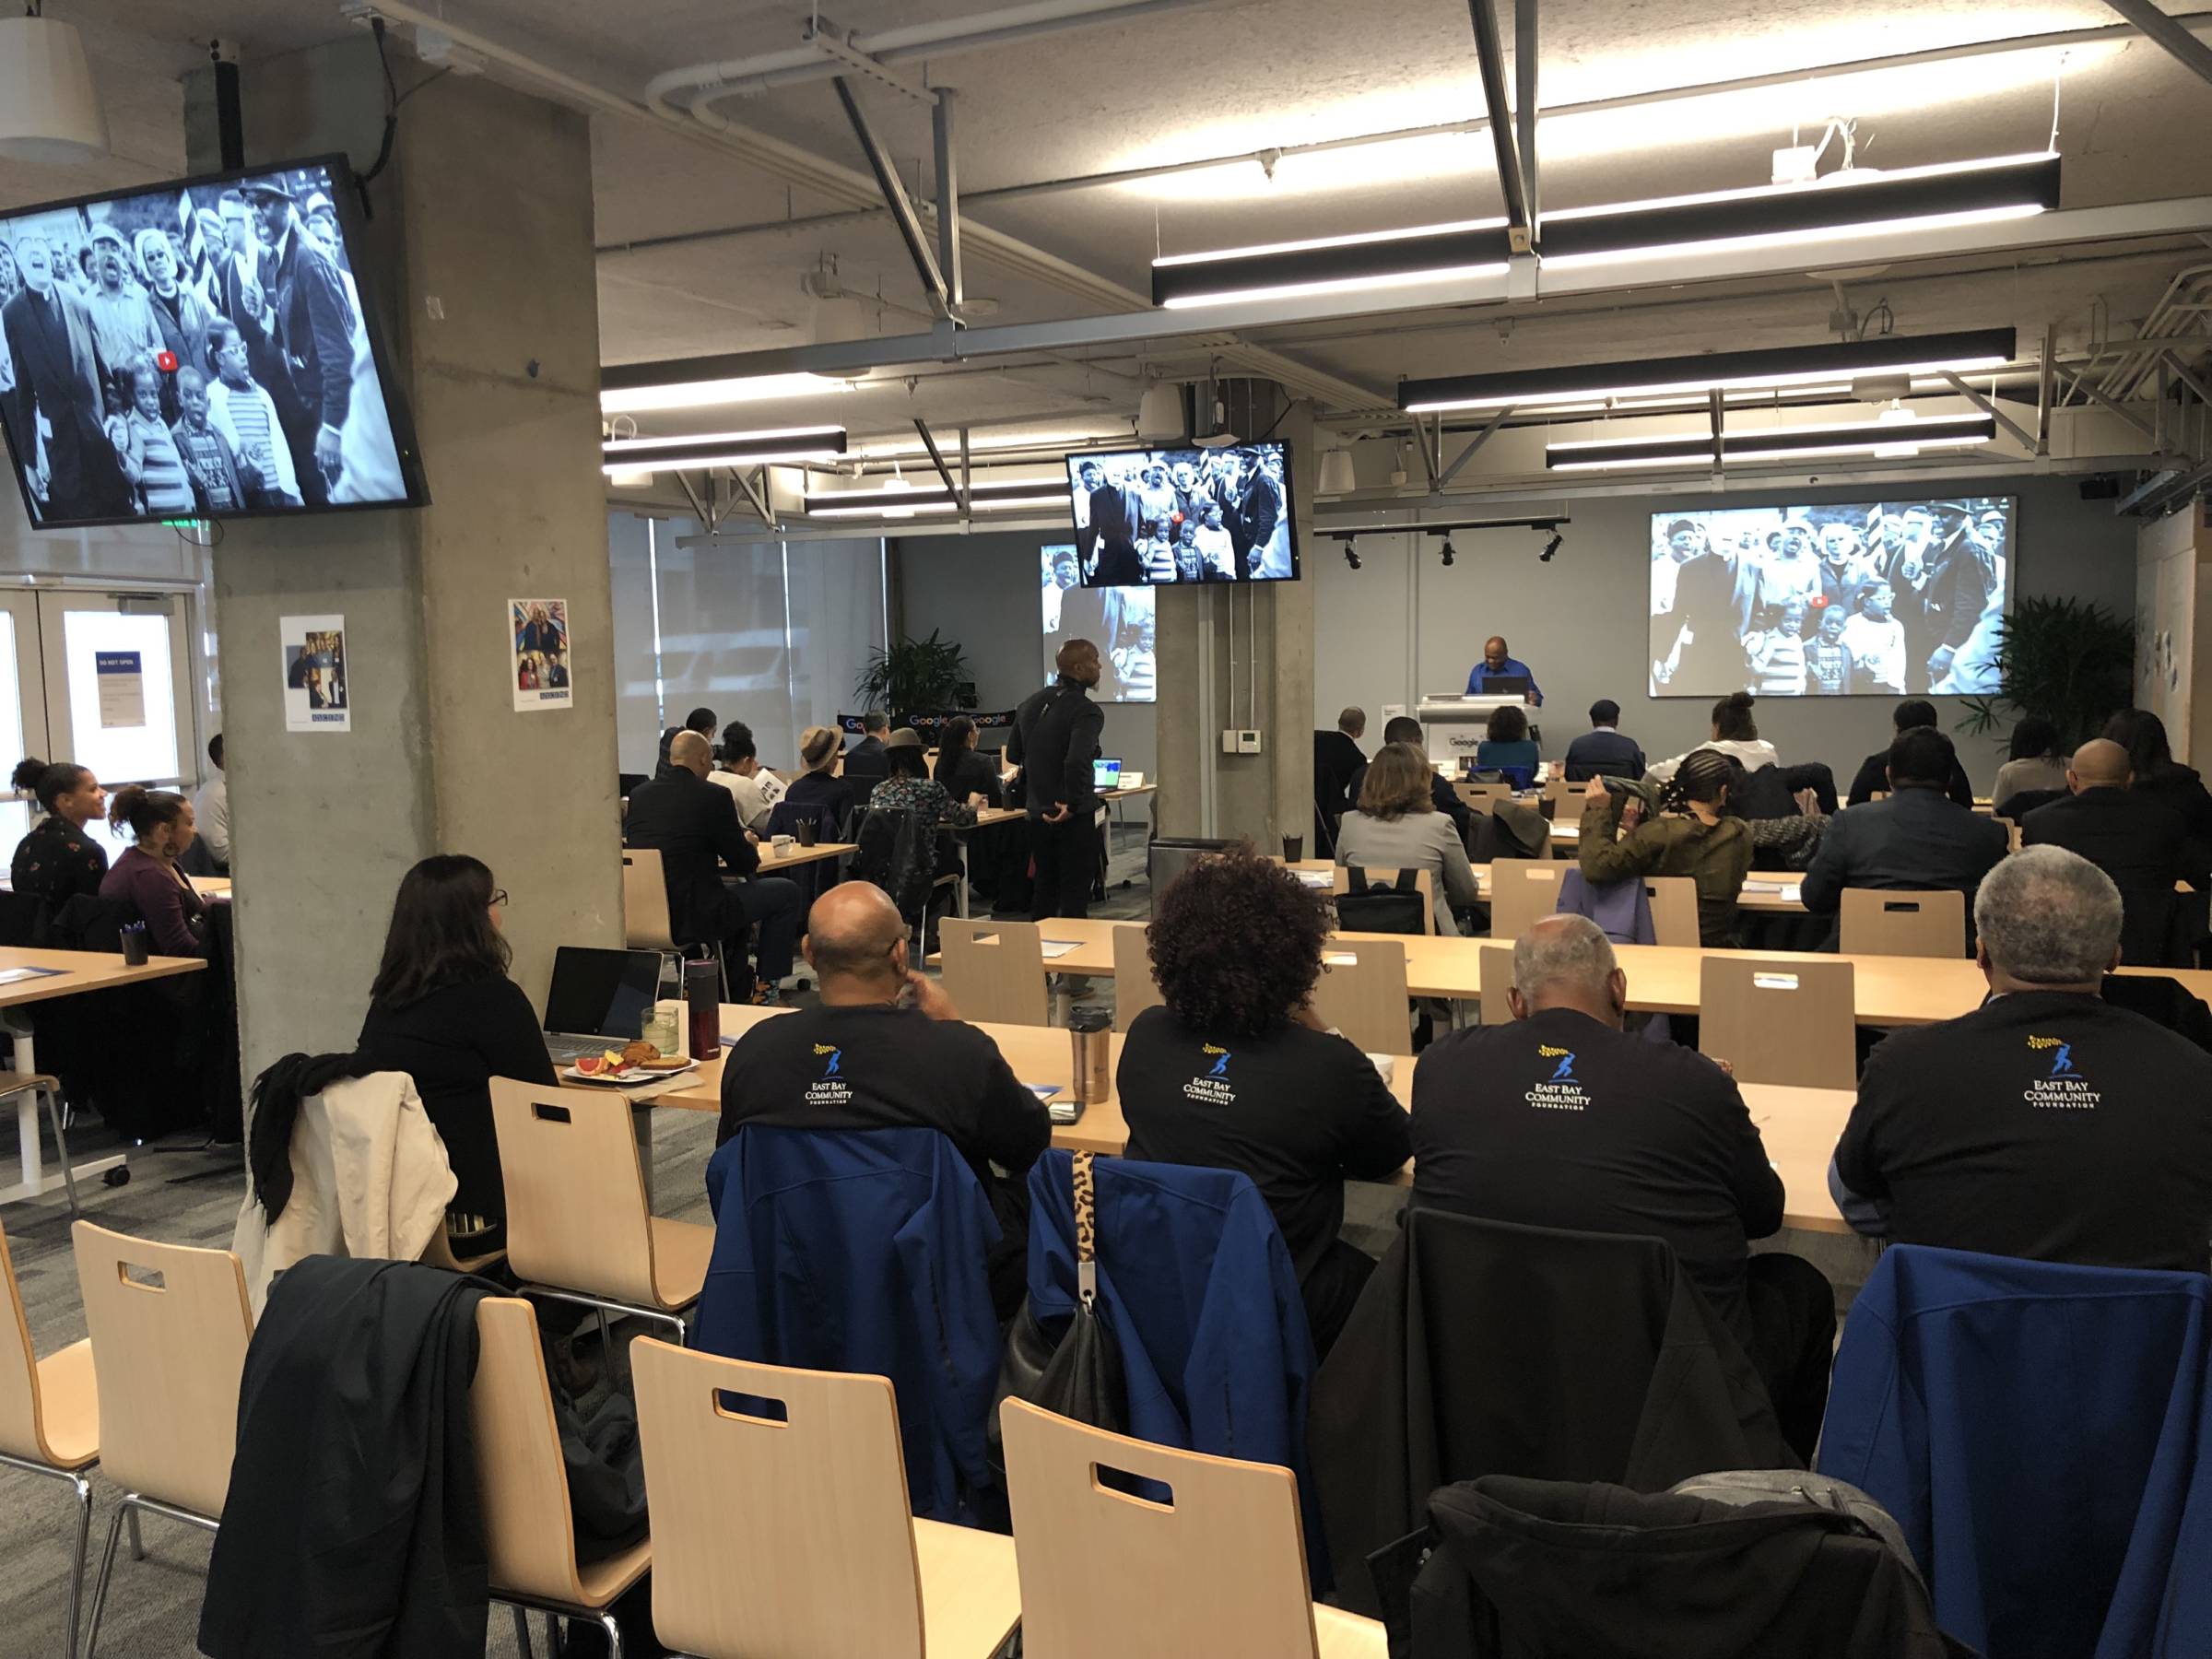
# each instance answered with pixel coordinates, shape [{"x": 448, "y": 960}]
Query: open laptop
[
  {"x": 1106, "y": 772},
  {"x": 599, "y": 999}
]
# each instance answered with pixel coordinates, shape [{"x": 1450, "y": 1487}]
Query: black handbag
[
  {"x": 1396, "y": 909},
  {"x": 1077, "y": 1374}
]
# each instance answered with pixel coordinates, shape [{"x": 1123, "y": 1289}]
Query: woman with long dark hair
[
  {"x": 2160, "y": 776},
  {"x": 146, "y": 876},
  {"x": 57, "y": 861},
  {"x": 962, "y": 769},
  {"x": 2032, "y": 762},
  {"x": 1692, "y": 836},
  {"x": 443, "y": 1011}
]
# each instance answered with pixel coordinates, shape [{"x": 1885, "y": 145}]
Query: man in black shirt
[
  {"x": 1337, "y": 758},
  {"x": 1602, "y": 751},
  {"x": 1561, "y": 1119},
  {"x": 1915, "y": 840},
  {"x": 701, "y": 720},
  {"x": 2136, "y": 840},
  {"x": 2047, "y": 1123},
  {"x": 865, "y": 763},
  {"x": 887, "y": 1050},
  {"x": 1056, "y": 739},
  {"x": 1873, "y": 776}
]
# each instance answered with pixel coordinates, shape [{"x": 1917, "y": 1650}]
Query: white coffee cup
[{"x": 781, "y": 843}]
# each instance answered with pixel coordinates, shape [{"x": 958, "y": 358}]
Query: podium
[{"x": 1454, "y": 724}]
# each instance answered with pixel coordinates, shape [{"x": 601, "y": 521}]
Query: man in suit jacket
[
  {"x": 311, "y": 322},
  {"x": 711, "y": 866},
  {"x": 1873, "y": 773},
  {"x": 2137, "y": 841},
  {"x": 1337, "y": 758},
  {"x": 1603, "y": 752},
  {"x": 1915, "y": 838},
  {"x": 865, "y": 764},
  {"x": 58, "y": 379}
]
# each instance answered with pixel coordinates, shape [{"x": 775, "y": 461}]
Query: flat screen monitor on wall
[
  {"x": 1117, "y": 620},
  {"x": 1861, "y": 598},
  {"x": 202, "y": 349},
  {"x": 1170, "y": 516}
]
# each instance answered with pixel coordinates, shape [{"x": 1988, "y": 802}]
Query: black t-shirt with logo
[
  {"x": 1300, "y": 1111},
  {"x": 2044, "y": 1124},
  {"x": 875, "y": 1067},
  {"x": 1561, "y": 1121}
]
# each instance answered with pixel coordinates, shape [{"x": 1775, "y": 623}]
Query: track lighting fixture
[
  {"x": 1550, "y": 547},
  {"x": 1351, "y": 553},
  {"x": 1447, "y": 552}
]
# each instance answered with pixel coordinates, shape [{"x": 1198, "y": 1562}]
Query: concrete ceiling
[{"x": 1224, "y": 79}]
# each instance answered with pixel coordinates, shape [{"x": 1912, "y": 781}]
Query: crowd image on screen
[
  {"x": 1162, "y": 517},
  {"x": 195, "y": 350},
  {"x": 1118, "y": 620},
  {"x": 1886, "y": 598}
]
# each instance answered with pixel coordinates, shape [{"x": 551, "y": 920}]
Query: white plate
[{"x": 628, "y": 1078}]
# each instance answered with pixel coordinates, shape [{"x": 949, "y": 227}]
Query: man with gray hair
[
  {"x": 1563, "y": 1119},
  {"x": 2047, "y": 1123}
]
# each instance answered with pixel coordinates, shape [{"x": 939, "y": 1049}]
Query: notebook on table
[{"x": 598, "y": 999}]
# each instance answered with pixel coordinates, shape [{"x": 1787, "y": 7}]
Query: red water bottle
[{"x": 702, "y": 1000}]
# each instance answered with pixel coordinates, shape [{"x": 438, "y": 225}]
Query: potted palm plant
[
  {"x": 2072, "y": 663},
  {"x": 913, "y": 676}
]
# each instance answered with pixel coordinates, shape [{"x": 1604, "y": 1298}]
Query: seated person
[
  {"x": 754, "y": 791},
  {"x": 1916, "y": 839},
  {"x": 709, "y": 865},
  {"x": 1692, "y": 836},
  {"x": 2176, "y": 787},
  {"x": 443, "y": 1011},
  {"x": 146, "y": 876},
  {"x": 1398, "y": 828},
  {"x": 817, "y": 784},
  {"x": 1404, "y": 728},
  {"x": 1561, "y": 1119},
  {"x": 2033, "y": 762},
  {"x": 910, "y": 788},
  {"x": 864, "y": 767},
  {"x": 1506, "y": 748},
  {"x": 702, "y": 721},
  {"x": 2047, "y": 1123},
  {"x": 1237, "y": 1073},
  {"x": 1602, "y": 751},
  {"x": 964, "y": 770},
  {"x": 1911, "y": 715},
  {"x": 57, "y": 861},
  {"x": 2132, "y": 837},
  {"x": 900, "y": 1058},
  {"x": 1735, "y": 735}
]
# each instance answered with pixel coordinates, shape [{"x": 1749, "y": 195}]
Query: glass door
[
  {"x": 22, "y": 704},
  {"x": 117, "y": 688}
]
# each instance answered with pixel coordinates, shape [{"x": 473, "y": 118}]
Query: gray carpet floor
[{"x": 183, "y": 1195}]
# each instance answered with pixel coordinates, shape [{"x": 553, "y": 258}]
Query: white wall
[
  {"x": 1403, "y": 624},
  {"x": 983, "y": 591}
]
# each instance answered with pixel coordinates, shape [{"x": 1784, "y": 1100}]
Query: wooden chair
[
  {"x": 579, "y": 1226},
  {"x": 439, "y": 1253},
  {"x": 529, "y": 1530},
  {"x": 1219, "y": 1566},
  {"x": 1365, "y": 997},
  {"x": 168, "y": 1326},
  {"x": 1523, "y": 892},
  {"x": 49, "y": 1419},
  {"x": 793, "y": 1534},
  {"x": 1478, "y": 797},
  {"x": 1879, "y": 922},
  {"x": 994, "y": 970},
  {"x": 1494, "y": 968},
  {"x": 1780, "y": 1019},
  {"x": 1424, "y": 881},
  {"x": 49, "y": 1092},
  {"x": 1135, "y": 989},
  {"x": 1673, "y": 901},
  {"x": 645, "y": 922}
]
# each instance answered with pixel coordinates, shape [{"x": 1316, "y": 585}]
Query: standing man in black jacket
[
  {"x": 2131, "y": 837},
  {"x": 1056, "y": 739},
  {"x": 693, "y": 824}
]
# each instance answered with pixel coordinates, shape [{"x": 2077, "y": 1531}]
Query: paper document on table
[
  {"x": 1058, "y": 948},
  {"x": 1043, "y": 1092},
  {"x": 1338, "y": 959},
  {"x": 10, "y": 976}
]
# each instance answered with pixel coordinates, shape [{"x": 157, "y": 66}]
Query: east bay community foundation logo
[
  {"x": 2062, "y": 1087},
  {"x": 1211, "y": 1086},
  {"x": 1562, "y": 1090},
  {"x": 829, "y": 1088}
]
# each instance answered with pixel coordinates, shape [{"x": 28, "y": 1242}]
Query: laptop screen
[
  {"x": 602, "y": 992},
  {"x": 1106, "y": 774}
]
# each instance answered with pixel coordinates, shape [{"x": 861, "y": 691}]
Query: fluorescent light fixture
[
  {"x": 708, "y": 394},
  {"x": 1329, "y": 264},
  {"x": 628, "y": 478},
  {"x": 1786, "y": 367},
  {"x": 898, "y": 499},
  {"x": 721, "y": 449},
  {"x": 1884, "y": 440}
]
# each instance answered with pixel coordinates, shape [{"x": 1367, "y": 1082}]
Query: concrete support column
[
  {"x": 480, "y": 259},
  {"x": 1241, "y": 657}
]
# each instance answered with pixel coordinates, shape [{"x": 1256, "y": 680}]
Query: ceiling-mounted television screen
[
  {"x": 1182, "y": 514},
  {"x": 1868, "y": 598},
  {"x": 205, "y": 349}
]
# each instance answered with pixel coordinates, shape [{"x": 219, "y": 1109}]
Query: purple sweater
[{"x": 176, "y": 917}]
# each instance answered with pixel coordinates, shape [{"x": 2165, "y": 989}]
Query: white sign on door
[{"x": 122, "y": 677}]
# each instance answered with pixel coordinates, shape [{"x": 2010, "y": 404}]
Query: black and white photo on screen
[
  {"x": 196, "y": 349},
  {"x": 1872, "y": 598},
  {"x": 1117, "y": 620},
  {"x": 1170, "y": 516}
]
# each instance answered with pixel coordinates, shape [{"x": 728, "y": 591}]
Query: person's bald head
[
  {"x": 856, "y": 940},
  {"x": 691, "y": 751},
  {"x": 1494, "y": 651},
  {"x": 1567, "y": 962},
  {"x": 2098, "y": 764},
  {"x": 1078, "y": 661}
]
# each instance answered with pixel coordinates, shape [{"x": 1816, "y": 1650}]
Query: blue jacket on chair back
[
  {"x": 863, "y": 1251},
  {"x": 1202, "y": 1299},
  {"x": 2037, "y": 1429}
]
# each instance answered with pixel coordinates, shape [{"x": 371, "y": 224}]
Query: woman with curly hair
[{"x": 1236, "y": 1072}]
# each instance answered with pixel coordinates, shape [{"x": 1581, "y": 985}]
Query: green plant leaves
[{"x": 2072, "y": 663}]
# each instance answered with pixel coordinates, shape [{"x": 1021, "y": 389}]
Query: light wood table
[
  {"x": 66, "y": 973},
  {"x": 215, "y": 890},
  {"x": 1663, "y": 979},
  {"x": 772, "y": 861},
  {"x": 1800, "y": 1126}
]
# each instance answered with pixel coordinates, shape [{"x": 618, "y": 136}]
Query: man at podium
[{"x": 1499, "y": 665}]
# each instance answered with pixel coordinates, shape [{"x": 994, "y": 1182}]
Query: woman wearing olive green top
[{"x": 1692, "y": 836}]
